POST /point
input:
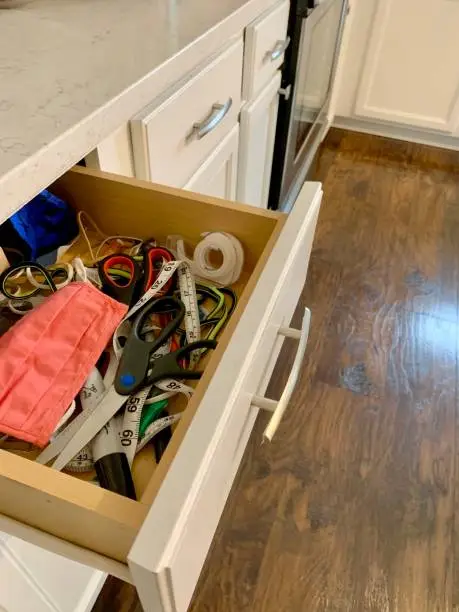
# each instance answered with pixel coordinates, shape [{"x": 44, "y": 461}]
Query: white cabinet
[
  {"x": 265, "y": 43},
  {"x": 217, "y": 176},
  {"x": 258, "y": 129},
  {"x": 34, "y": 579},
  {"x": 411, "y": 73},
  {"x": 401, "y": 67},
  {"x": 173, "y": 138}
]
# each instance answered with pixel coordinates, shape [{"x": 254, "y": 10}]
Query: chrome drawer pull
[
  {"x": 216, "y": 116},
  {"x": 278, "y": 408},
  {"x": 277, "y": 50}
]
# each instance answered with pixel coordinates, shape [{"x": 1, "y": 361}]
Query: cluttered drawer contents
[{"x": 119, "y": 295}]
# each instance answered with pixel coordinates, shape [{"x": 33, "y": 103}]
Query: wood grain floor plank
[{"x": 371, "y": 509}]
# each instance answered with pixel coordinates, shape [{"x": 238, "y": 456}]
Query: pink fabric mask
[{"x": 46, "y": 357}]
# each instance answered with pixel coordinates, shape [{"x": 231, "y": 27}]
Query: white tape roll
[{"x": 230, "y": 250}]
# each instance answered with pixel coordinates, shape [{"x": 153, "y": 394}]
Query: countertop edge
[{"x": 35, "y": 173}]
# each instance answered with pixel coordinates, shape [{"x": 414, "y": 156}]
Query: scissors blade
[
  {"x": 81, "y": 430},
  {"x": 96, "y": 419}
]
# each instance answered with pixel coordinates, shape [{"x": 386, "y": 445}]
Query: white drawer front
[
  {"x": 282, "y": 316},
  {"x": 217, "y": 176},
  {"x": 168, "y": 555},
  {"x": 167, "y": 148},
  {"x": 265, "y": 39}
]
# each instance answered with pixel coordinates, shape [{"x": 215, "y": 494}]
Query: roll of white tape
[{"x": 230, "y": 249}]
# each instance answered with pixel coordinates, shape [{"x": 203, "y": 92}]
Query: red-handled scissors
[
  {"x": 153, "y": 260},
  {"x": 126, "y": 280},
  {"x": 120, "y": 275}
]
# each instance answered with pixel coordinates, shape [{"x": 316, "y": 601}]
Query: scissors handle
[
  {"x": 153, "y": 260},
  {"x": 10, "y": 273},
  {"x": 168, "y": 366},
  {"x": 135, "y": 361},
  {"x": 121, "y": 289}
]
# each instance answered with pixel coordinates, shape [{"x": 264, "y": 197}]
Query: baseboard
[{"x": 397, "y": 132}]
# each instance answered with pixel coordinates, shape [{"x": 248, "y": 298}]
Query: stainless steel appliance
[{"x": 315, "y": 30}]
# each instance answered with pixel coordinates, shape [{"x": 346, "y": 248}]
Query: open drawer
[{"x": 160, "y": 542}]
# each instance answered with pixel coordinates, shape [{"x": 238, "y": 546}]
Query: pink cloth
[{"x": 46, "y": 357}]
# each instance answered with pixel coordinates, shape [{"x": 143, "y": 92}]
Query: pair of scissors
[
  {"x": 19, "y": 281},
  {"x": 119, "y": 275},
  {"x": 126, "y": 280},
  {"x": 136, "y": 368},
  {"x": 135, "y": 371},
  {"x": 25, "y": 285}
]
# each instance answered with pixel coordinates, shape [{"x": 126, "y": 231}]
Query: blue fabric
[{"x": 45, "y": 223}]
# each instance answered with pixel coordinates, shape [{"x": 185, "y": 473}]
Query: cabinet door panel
[
  {"x": 217, "y": 176},
  {"x": 262, "y": 38},
  {"x": 410, "y": 74},
  {"x": 258, "y": 129}
]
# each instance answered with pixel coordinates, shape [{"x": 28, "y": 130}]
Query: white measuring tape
[
  {"x": 133, "y": 411},
  {"x": 229, "y": 248},
  {"x": 129, "y": 432},
  {"x": 90, "y": 395},
  {"x": 157, "y": 426}
]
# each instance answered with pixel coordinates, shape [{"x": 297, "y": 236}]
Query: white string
[{"x": 83, "y": 216}]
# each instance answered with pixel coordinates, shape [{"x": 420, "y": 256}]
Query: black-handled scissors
[
  {"x": 119, "y": 274},
  {"x": 125, "y": 280},
  {"x": 136, "y": 368}
]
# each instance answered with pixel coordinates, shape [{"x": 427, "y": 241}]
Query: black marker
[{"x": 111, "y": 463}]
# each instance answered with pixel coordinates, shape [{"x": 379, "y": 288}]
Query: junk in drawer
[
  {"x": 175, "y": 313},
  {"x": 160, "y": 541}
]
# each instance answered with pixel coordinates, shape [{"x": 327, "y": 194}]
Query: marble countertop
[{"x": 72, "y": 71}]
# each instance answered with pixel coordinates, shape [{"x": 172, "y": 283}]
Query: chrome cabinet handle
[
  {"x": 277, "y": 50},
  {"x": 278, "y": 408},
  {"x": 216, "y": 116}
]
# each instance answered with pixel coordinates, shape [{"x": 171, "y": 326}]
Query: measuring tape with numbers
[
  {"x": 131, "y": 420},
  {"x": 90, "y": 395},
  {"x": 156, "y": 427}
]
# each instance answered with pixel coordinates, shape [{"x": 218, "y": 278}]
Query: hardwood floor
[{"x": 354, "y": 507}]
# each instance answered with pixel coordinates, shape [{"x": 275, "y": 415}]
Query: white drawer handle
[
  {"x": 216, "y": 116},
  {"x": 277, "y": 50},
  {"x": 278, "y": 408}
]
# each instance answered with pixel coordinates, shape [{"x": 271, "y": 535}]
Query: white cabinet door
[
  {"x": 264, "y": 45},
  {"x": 34, "y": 579},
  {"x": 218, "y": 174},
  {"x": 258, "y": 129},
  {"x": 411, "y": 73}
]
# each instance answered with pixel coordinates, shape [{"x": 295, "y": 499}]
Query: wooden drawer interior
[{"x": 67, "y": 506}]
